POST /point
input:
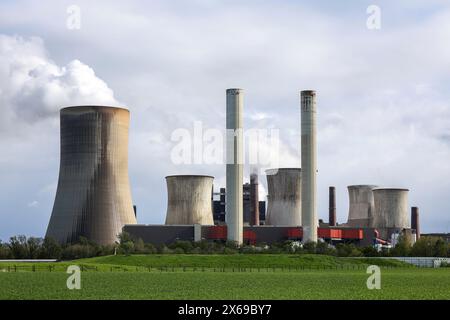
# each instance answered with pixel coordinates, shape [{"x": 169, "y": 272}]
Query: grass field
[{"x": 308, "y": 283}]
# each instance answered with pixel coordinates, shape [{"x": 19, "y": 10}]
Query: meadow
[{"x": 235, "y": 277}]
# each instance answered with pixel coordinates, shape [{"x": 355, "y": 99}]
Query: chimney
[{"x": 332, "y": 207}]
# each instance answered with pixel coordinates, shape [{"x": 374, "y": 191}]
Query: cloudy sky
[{"x": 383, "y": 94}]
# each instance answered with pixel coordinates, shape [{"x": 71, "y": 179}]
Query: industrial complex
[{"x": 93, "y": 198}]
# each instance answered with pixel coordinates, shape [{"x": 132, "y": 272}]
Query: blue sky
[{"x": 383, "y": 98}]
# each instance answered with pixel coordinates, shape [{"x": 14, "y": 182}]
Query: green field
[{"x": 224, "y": 277}]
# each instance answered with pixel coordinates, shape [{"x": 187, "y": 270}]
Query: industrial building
[
  {"x": 248, "y": 210},
  {"x": 93, "y": 198}
]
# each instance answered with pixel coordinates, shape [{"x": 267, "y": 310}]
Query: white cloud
[{"x": 33, "y": 87}]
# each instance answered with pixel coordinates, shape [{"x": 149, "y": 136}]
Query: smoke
[{"x": 33, "y": 87}]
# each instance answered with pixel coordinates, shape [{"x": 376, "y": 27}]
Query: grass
[
  {"x": 396, "y": 284},
  {"x": 271, "y": 277},
  {"x": 241, "y": 260}
]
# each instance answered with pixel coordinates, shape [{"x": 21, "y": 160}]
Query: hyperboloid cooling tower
[
  {"x": 361, "y": 205},
  {"x": 391, "y": 208},
  {"x": 285, "y": 205},
  {"x": 189, "y": 200},
  {"x": 93, "y": 197}
]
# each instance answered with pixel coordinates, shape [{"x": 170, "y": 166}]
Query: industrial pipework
[
  {"x": 234, "y": 167},
  {"x": 93, "y": 198},
  {"x": 309, "y": 165}
]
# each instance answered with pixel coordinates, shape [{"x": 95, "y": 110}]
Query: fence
[{"x": 186, "y": 268}]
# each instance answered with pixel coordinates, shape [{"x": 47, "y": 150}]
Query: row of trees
[{"x": 20, "y": 247}]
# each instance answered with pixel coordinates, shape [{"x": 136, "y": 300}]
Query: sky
[{"x": 383, "y": 95}]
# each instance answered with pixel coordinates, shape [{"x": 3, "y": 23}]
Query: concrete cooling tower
[
  {"x": 391, "y": 208},
  {"x": 189, "y": 200},
  {"x": 284, "y": 199},
  {"x": 361, "y": 205},
  {"x": 93, "y": 197}
]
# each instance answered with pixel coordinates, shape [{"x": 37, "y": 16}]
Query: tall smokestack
[
  {"x": 332, "y": 207},
  {"x": 234, "y": 167},
  {"x": 254, "y": 200},
  {"x": 309, "y": 165},
  {"x": 415, "y": 224}
]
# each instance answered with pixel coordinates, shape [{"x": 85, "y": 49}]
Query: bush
[
  {"x": 370, "y": 252},
  {"x": 347, "y": 250},
  {"x": 430, "y": 247}
]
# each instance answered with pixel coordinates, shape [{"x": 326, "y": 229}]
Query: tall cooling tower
[
  {"x": 361, "y": 205},
  {"x": 189, "y": 200},
  {"x": 285, "y": 205},
  {"x": 93, "y": 198},
  {"x": 391, "y": 209}
]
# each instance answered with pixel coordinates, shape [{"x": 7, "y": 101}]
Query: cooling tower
[
  {"x": 361, "y": 205},
  {"x": 309, "y": 165},
  {"x": 234, "y": 168},
  {"x": 391, "y": 209},
  {"x": 189, "y": 200},
  {"x": 93, "y": 197},
  {"x": 285, "y": 205}
]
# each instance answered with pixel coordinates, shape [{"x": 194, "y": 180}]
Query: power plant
[
  {"x": 284, "y": 198},
  {"x": 93, "y": 198},
  {"x": 189, "y": 200}
]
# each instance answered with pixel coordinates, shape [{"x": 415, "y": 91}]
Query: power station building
[{"x": 93, "y": 198}]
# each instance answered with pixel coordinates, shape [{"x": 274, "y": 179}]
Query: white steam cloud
[{"x": 33, "y": 87}]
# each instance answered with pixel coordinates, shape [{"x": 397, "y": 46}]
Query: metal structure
[
  {"x": 332, "y": 207},
  {"x": 361, "y": 205},
  {"x": 284, "y": 199},
  {"x": 254, "y": 200},
  {"x": 309, "y": 165},
  {"x": 415, "y": 223},
  {"x": 189, "y": 200},
  {"x": 234, "y": 166},
  {"x": 93, "y": 198},
  {"x": 391, "y": 210}
]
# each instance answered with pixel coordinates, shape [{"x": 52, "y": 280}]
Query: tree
[
  {"x": 18, "y": 247},
  {"x": 427, "y": 247},
  {"x": 403, "y": 247},
  {"x": 51, "y": 249}
]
